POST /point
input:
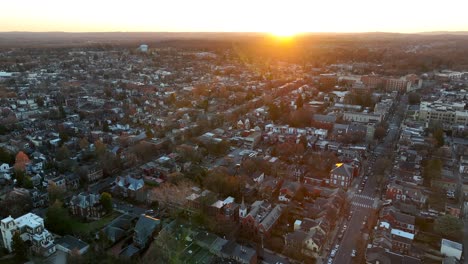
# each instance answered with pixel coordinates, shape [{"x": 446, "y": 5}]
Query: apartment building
[
  {"x": 31, "y": 228},
  {"x": 447, "y": 114}
]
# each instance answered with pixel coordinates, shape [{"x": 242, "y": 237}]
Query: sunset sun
[{"x": 284, "y": 33}]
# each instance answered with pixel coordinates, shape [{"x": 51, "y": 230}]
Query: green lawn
[
  {"x": 80, "y": 227},
  {"x": 8, "y": 261}
]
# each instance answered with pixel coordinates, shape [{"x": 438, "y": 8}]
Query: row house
[
  {"x": 261, "y": 218},
  {"x": 397, "y": 219},
  {"x": 393, "y": 239},
  {"x": 406, "y": 194}
]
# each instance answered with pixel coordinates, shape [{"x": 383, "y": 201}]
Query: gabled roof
[
  {"x": 343, "y": 169},
  {"x": 71, "y": 243},
  {"x": 145, "y": 227}
]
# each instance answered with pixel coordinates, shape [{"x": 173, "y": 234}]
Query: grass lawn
[
  {"x": 8, "y": 261},
  {"x": 80, "y": 227}
]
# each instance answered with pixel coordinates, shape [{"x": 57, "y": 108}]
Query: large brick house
[
  {"x": 261, "y": 218},
  {"x": 87, "y": 205},
  {"x": 342, "y": 174}
]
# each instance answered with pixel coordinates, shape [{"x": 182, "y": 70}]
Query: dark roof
[
  {"x": 237, "y": 251},
  {"x": 380, "y": 255},
  {"x": 145, "y": 227},
  {"x": 271, "y": 258},
  {"x": 343, "y": 169},
  {"x": 129, "y": 251},
  {"x": 297, "y": 236},
  {"x": 325, "y": 118},
  {"x": 71, "y": 243}
]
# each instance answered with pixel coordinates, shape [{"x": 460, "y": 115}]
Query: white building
[
  {"x": 451, "y": 249},
  {"x": 143, "y": 48},
  {"x": 31, "y": 228},
  {"x": 447, "y": 114},
  {"x": 362, "y": 117}
]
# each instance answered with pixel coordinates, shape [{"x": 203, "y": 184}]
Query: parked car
[{"x": 353, "y": 253}]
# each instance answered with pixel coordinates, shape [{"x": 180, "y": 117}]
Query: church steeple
[{"x": 242, "y": 209}]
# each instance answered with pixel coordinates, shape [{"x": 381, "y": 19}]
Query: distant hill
[
  {"x": 65, "y": 39},
  {"x": 458, "y": 33}
]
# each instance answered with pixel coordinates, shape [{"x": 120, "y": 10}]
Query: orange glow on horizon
[{"x": 282, "y": 19}]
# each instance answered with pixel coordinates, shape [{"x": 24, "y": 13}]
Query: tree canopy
[
  {"x": 106, "y": 201},
  {"x": 19, "y": 247},
  {"x": 448, "y": 225}
]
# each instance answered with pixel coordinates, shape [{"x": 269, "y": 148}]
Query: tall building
[
  {"x": 31, "y": 228},
  {"x": 397, "y": 84},
  {"x": 446, "y": 114}
]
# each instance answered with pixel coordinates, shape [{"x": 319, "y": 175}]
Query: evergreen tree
[{"x": 19, "y": 247}]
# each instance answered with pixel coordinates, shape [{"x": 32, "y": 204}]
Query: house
[
  {"x": 118, "y": 228},
  {"x": 58, "y": 181},
  {"x": 68, "y": 244},
  {"x": 342, "y": 174},
  {"x": 288, "y": 191},
  {"x": 129, "y": 186},
  {"x": 242, "y": 254},
  {"x": 87, "y": 206},
  {"x": 72, "y": 181},
  {"x": 296, "y": 240},
  {"x": 4, "y": 168},
  {"x": 39, "y": 198},
  {"x": 405, "y": 193},
  {"x": 144, "y": 230},
  {"x": 261, "y": 218},
  {"x": 31, "y": 228},
  {"x": 378, "y": 255},
  {"x": 397, "y": 219},
  {"x": 94, "y": 174},
  {"x": 401, "y": 241},
  {"x": 305, "y": 242},
  {"x": 451, "y": 249}
]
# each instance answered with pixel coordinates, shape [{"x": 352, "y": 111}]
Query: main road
[{"x": 365, "y": 204}]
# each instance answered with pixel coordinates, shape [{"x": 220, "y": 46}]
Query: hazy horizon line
[{"x": 242, "y": 32}]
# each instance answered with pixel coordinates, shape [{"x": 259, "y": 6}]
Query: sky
[{"x": 281, "y": 17}]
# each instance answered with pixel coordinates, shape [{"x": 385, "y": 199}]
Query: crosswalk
[
  {"x": 362, "y": 205},
  {"x": 363, "y": 197},
  {"x": 363, "y": 201}
]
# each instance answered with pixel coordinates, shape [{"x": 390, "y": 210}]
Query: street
[{"x": 366, "y": 203}]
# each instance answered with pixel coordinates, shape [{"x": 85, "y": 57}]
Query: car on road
[
  {"x": 330, "y": 261},
  {"x": 353, "y": 253}
]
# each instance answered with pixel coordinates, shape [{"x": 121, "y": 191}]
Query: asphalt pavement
[{"x": 363, "y": 204}]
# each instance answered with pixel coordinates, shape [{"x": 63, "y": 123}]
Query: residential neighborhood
[{"x": 178, "y": 154}]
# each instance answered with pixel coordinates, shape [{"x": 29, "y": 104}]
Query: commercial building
[
  {"x": 362, "y": 117},
  {"x": 451, "y": 249},
  {"x": 447, "y": 114}
]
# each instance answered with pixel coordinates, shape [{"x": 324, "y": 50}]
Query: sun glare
[{"x": 284, "y": 33}]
